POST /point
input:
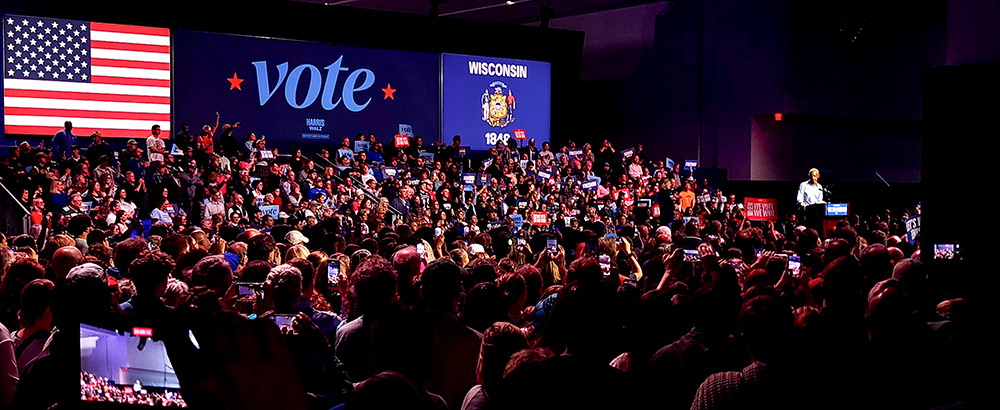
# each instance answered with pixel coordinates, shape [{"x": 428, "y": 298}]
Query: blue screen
[
  {"x": 836, "y": 209},
  {"x": 484, "y": 99},
  {"x": 299, "y": 93}
]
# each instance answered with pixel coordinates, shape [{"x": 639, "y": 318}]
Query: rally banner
[
  {"x": 485, "y": 99},
  {"x": 761, "y": 209}
]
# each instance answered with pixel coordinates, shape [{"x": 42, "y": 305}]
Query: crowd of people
[
  {"x": 415, "y": 277},
  {"x": 99, "y": 389}
]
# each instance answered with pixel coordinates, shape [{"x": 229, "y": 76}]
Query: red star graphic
[
  {"x": 388, "y": 92},
  {"x": 235, "y": 82}
]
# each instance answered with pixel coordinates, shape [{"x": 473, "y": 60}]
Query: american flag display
[{"x": 103, "y": 77}]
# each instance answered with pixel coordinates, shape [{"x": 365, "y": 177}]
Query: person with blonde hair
[{"x": 296, "y": 251}]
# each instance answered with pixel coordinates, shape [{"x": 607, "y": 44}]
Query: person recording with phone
[
  {"x": 324, "y": 377},
  {"x": 621, "y": 256}
]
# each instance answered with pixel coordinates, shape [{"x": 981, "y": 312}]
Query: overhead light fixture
[{"x": 510, "y": 3}]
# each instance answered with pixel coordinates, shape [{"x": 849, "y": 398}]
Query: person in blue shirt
[
  {"x": 162, "y": 213},
  {"x": 63, "y": 140}
]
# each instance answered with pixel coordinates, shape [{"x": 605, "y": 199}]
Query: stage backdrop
[
  {"x": 484, "y": 99},
  {"x": 302, "y": 94}
]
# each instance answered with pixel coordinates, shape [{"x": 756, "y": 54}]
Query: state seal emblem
[{"x": 498, "y": 106}]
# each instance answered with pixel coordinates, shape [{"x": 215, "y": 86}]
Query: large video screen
[
  {"x": 298, "y": 93},
  {"x": 485, "y": 99},
  {"x": 101, "y": 77},
  {"x": 126, "y": 368}
]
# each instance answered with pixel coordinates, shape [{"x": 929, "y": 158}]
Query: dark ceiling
[{"x": 513, "y": 11}]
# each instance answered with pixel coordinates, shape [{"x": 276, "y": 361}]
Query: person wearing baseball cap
[{"x": 295, "y": 237}]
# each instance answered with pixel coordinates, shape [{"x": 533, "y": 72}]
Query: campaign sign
[
  {"x": 544, "y": 175},
  {"x": 469, "y": 179},
  {"x": 406, "y": 129},
  {"x": 704, "y": 199},
  {"x": 484, "y": 179},
  {"x": 344, "y": 152},
  {"x": 690, "y": 164},
  {"x": 518, "y": 220},
  {"x": 836, "y": 209},
  {"x": 539, "y": 218},
  {"x": 760, "y": 209},
  {"x": 912, "y": 229},
  {"x": 519, "y": 134},
  {"x": 484, "y": 99},
  {"x": 389, "y": 172},
  {"x": 590, "y": 185},
  {"x": 628, "y": 153},
  {"x": 361, "y": 146},
  {"x": 270, "y": 210},
  {"x": 462, "y": 152},
  {"x": 576, "y": 153},
  {"x": 401, "y": 140},
  {"x": 301, "y": 94},
  {"x": 668, "y": 163}
]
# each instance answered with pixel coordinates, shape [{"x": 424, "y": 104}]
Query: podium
[
  {"x": 814, "y": 217},
  {"x": 823, "y": 217}
]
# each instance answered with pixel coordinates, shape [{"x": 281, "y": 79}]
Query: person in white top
[
  {"x": 155, "y": 146},
  {"x": 810, "y": 192}
]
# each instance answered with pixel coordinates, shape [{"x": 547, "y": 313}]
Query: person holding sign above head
[{"x": 810, "y": 192}]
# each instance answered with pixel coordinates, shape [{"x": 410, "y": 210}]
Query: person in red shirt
[{"x": 206, "y": 146}]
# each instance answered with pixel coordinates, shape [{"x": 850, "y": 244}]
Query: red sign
[
  {"x": 402, "y": 141},
  {"x": 539, "y": 218},
  {"x": 760, "y": 209},
  {"x": 128, "y": 390},
  {"x": 142, "y": 331},
  {"x": 656, "y": 210},
  {"x": 520, "y": 135}
]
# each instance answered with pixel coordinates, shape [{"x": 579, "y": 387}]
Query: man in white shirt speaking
[{"x": 810, "y": 192}]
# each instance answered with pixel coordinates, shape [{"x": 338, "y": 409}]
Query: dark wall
[
  {"x": 973, "y": 31},
  {"x": 351, "y": 26},
  {"x": 756, "y": 57},
  {"x": 850, "y": 149}
]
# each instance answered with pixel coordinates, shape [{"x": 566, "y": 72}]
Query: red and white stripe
[{"x": 129, "y": 89}]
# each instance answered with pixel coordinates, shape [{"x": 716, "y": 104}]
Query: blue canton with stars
[{"x": 46, "y": 49}]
